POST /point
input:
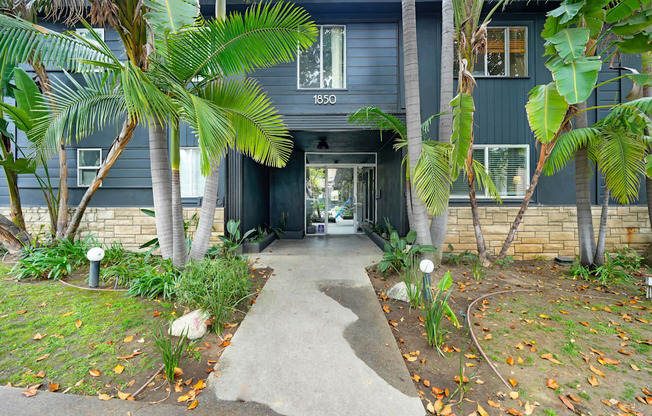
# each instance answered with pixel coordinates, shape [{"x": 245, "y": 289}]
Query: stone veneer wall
[
  {"x": 126, "y": 224},
  {"x": 546, "y": 231}
]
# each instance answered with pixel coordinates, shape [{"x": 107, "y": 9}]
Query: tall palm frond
[
  {"x": 253, "y": 117},
  {"x": 268, "y": 34},
  {"x": 22, "y": 42},
  {"x": 431, "y": 171},
  {"x": 374, "y": 118},
  {"x": 622, "y": 163},
  {"x": 485, "y": 181},
  {"x": 78, "y": 111},
  {"x": 565, "y": 147}
]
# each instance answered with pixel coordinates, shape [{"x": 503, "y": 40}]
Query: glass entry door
[{"x": 339, "y": 199}]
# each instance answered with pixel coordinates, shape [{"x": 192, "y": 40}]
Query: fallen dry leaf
[
  {"x": 593, "y": 381},
  {"x": 53, "y": 387},
  {"x": 29, "y": 393},
  {"x": 513, "y": 395},
  {"x": 567, "y": 403},
  {"x": 123, "y": 395},
  {"x": 40, "y": 374},
  {"x": 492, "y": 403},
  {"x": 481, "y": 411},
  {"x": 94, "y": 373},
  {"x": 514, "y": 412},
  {"x": 78, "y": 324},
  {"x": 38, "y": 336},
  {"x": 552, "y": 384},
  {"x": 512, "y": 382},
  {"x": 104, "y": 396},
  {"x": 386, "y": 308},
  {"x": 118, "y": 369},
  {"x": 510, "y": 361},
  {"x": 200, "y": 385},
  {"x": 42, "y": 357},
  {"x": 193, "y": 405},
  {"x": 596, "y": 371},
  {"x": 550, "y": 358},
  {"x": 128, "y": 339}
]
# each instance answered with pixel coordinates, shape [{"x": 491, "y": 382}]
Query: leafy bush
[
  {"x": 433, "y": 312},
  {"x": 233, "y": 240},
  {"x": 53, "y": 261},
  {"x": 215, "y": 285},
  {"x": 154, "y": 278},
  {"x": 464, "y": 257},
  {"x": 628, "y": 259},
  {"x": 611, "y": 272},
  {"x": 397, "y": 254}
]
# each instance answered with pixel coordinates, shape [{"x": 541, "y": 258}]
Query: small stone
[
  {"x": 194, "y": 323},
  {"x": 399, "y": 292}
]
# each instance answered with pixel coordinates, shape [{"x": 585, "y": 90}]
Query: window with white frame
[
  {"x": 508, "y": 167},
  {"x": 192, "y": 181},
  {"x": 88, "y": 163},
  {"x": 323, "y": 65},
  {"x": 82, "y": 31},
  {"x": 506, "y": 54}
]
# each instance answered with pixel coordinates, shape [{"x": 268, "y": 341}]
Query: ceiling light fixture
[{"x": 322, "y": 144}]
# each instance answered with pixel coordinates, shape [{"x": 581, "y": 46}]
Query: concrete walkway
[{"x": 316, "y": 342}]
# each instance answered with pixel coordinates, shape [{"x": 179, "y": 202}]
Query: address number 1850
[{"x": 325, "y": 99}]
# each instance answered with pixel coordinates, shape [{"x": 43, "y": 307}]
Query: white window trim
[
  {"x": 485, "y": 194},
  {"x": 191, "y": 177},
  {"x": 321, "y": 62},
  {"x": 99, "y": 30},
  {"x": 507, "y": 61},
  {"x": 80, "y": 168}
]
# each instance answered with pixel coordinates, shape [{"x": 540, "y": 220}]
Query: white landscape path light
[
  {"x": 95, "y": 256},
  {"x": 427, "y": 266},
  {"x": 648, "y": 285}
]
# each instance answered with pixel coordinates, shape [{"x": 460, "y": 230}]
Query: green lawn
[{"x": 54, "y": 311}]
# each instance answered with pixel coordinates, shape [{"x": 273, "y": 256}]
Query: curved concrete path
[{"x": 316, "y": 341}]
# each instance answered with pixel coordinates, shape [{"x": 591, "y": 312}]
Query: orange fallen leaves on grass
[
  {"x": 567, "y": 403},
  {"x": 510, "y": 361},
  {"x": 53, "y": 387},
  {"x": 118, "y": 369},
  {"x": 512, "y": 382},
  {"x": 193, "y": 405},
  {"x": 552, "y": 384},
  {"x": 593, "y": 381},
  {"x": 596, "y": 371},
  {"x": 94, "y": 373},
  {"x": 29, "y": 393}
]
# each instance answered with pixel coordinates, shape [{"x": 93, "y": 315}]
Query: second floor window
[
  {"x": 506, "y": 54},
  {"x": 323, "y": 65},
  {"x": 88, "y": 163}
]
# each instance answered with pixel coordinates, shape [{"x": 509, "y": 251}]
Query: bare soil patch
[{"x": 564, "y": 343}]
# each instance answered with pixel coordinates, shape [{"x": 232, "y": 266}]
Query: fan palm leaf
[
  {"x": 622, "y": 162},
  {"x": 565, "y": 147},
  {"x": 432, "y": 175}
]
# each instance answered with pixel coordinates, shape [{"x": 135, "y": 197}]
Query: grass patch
[{"x": 53, "y": 310}]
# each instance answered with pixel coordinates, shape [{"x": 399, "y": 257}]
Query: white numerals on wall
[{"x": 325, "y": 99}]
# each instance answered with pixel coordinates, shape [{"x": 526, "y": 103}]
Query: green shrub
[
  {"x": 155, "y": 281},
  {"x": 464, "y": 257},
  {"x": 215, "y": 285},
  {"x": 433, "y": 312},
  {"x": 627, "y": 258},
  {"x": 169, "y": 350},
  {"x": 398, "y": 255},
  {"x": 53, "y": 261}
]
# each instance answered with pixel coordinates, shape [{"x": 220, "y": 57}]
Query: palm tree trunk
[
  {"x": 477, "y": 227},
  {"x": 15, "y": 206},
  {"x": 62, "y": 215},
  {"x": 202, "y": 239},
  {"x": 439, "y": 223},
  {"x": 413, "y": 113},
  {"x": 647, "y": 92},
  {"x": 598, "y": 257},
  {"x": 161, "y": 189},
  {"x": 583, "y": 195},
  {"x": 116, "y": 149},
  {"x": 543, "y": 157},
  {"x": 408, "y": 204},
  {"x": 179, "y": 248}
]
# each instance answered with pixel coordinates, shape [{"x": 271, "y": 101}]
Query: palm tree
[
  {"x": 471, "y": 42},
  {"x": 197, "y": 87},
  {"x": 439, "y": 223},
  {"x": 413, "y": 115}
]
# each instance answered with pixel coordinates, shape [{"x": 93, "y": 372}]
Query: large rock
[
  {"x": 194, "y": 323},
  {"x": 399, "y": 292}
]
